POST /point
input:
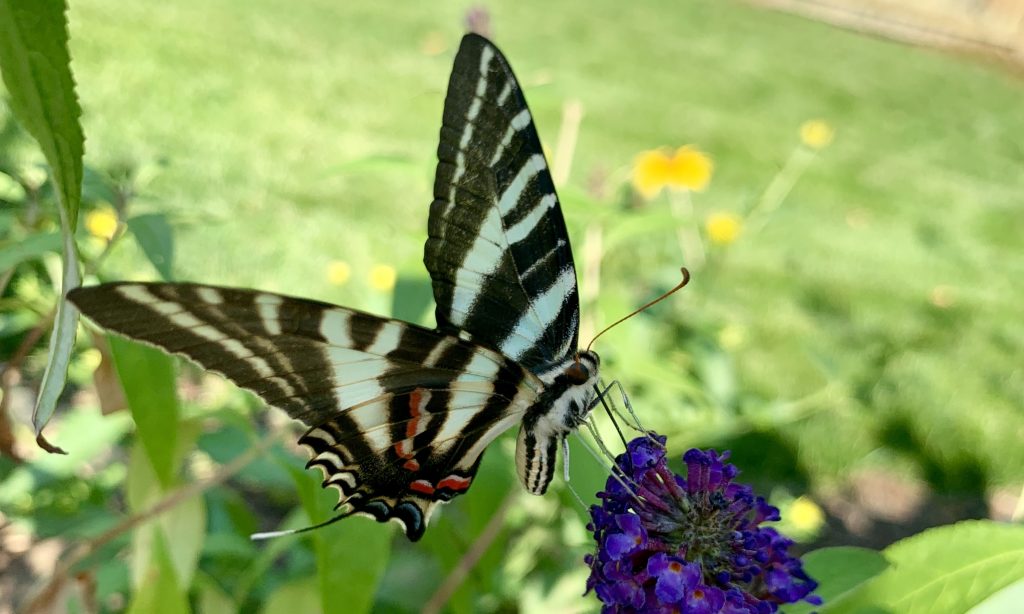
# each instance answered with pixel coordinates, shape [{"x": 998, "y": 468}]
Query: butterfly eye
[{"x": 577, "y": 373}]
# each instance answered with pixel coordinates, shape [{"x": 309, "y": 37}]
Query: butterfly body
[{"x": 399, "y": 415}]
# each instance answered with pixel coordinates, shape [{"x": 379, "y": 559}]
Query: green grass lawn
[{"x": 266, "y": 113}]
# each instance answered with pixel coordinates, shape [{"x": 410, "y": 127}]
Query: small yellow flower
[
  {"x": 382, "y": 277},
  {"x": 687, "y": 169},
  {"x": 691, "y": 169},
  {"x": 816, "y": 133},
  {"x": 102, "y": 223},
  {"x": 338, "y": 272},
  {"x": 723, "y": 228},
  {"x": 805, "y": 515}
]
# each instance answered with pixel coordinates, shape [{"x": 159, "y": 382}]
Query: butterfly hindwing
[
  {"x": 399, "y": 415},
  {"x": 498, "y": 251}
]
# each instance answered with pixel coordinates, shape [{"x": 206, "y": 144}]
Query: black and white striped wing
[
  {"x": 399, "y": 415},
  {"x": 498, "y": 251}
]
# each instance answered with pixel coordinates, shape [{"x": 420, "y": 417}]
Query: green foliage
[
  {"x": 29, "y": 248},
  {"x": 946, "y": 569},
  {"x": 147, "y": 376},
  {"x": 839, "y": 571},
  {"x": 154, "y": 235},
  {"x": 345, "y": 583}
]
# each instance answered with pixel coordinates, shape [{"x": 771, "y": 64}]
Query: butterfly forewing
[
  {"x": 399, "y": 414},
  {"x": 498, "y": 251}
]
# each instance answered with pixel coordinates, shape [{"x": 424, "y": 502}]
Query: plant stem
[{"x": 687, "y": 234}]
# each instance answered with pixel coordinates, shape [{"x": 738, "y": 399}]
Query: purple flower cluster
[{"x": 666, "y": 543}]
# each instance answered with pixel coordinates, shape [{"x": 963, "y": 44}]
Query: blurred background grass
[
  {"x": 872, "y": 324},
  {"x": 263, "y": 113}
]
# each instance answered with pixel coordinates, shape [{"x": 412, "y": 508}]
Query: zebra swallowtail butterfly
[{"x": 399, "y": 415}]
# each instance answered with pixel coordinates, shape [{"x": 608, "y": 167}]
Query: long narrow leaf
[
  {"x": 36, "y": 68},
  {"x": 62, "y": 341}
]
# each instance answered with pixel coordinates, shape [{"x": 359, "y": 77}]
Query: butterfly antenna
[
  {"x": 273, "y": 534},
  {"x": 679, "y": 286}
]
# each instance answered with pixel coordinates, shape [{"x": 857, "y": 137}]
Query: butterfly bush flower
[{"x": 671, "y": 543}]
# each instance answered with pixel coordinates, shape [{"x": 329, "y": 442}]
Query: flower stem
[{"x": 686, "y": 232}]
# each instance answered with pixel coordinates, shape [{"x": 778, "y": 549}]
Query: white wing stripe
[
  {"x": 268, "y": 306},
  {"x": 483, "y": 253},
  {"x": 386, "y": 340},
  {"x": 334, "y": 326},
  {"x": 543, "y": 310},
  {"x": 505, "y": 91},
  {"x": 485, "y": 65},
  {"x": 511, "y": 196},
  {"x": 526, "y": 225},
  {"x": 210, "y": 295}
]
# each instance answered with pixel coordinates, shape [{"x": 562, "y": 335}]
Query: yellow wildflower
[
  {"x": 816, "y": 133},
  {"x": 805, "y": 515},
  {"x": 687, "y": 169},
  {"x": 102, "y": 222},
  {"x": 382, "y": 277},
  {"x": 338, "y": 272},
  {"x": 723, "y": 228}
]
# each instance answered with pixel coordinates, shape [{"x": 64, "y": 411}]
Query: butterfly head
[
  {"x": 583, "y": 368},
  {"x": 580, "y": 378}
]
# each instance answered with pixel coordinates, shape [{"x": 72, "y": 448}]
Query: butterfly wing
[
  {"x": 498, "y": 251},
  {"x": 399, "y": 414}
]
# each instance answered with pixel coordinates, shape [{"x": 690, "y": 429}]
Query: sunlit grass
[{"x": 264, "y": 111}]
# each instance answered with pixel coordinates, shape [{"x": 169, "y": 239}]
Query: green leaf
[
  {"x": 946, "y": 569},
  {"x": 36, "y": 69},
  {"x": 298, "y": 596},
  {"x": 159, "y": 592},
  {"x": 147, "y": 376},
  {"x": 154, "y": 235},
  {"x": 211, "y": 597},
  {"x": 1004, "y": 602},
  {"x": 28, "y": 248},
  {"x": 184, "y": 526},
  {"x": 838, "y": 571},
  {"x": 62, "y": 339},
  {"x": 351, "y": 554}
]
